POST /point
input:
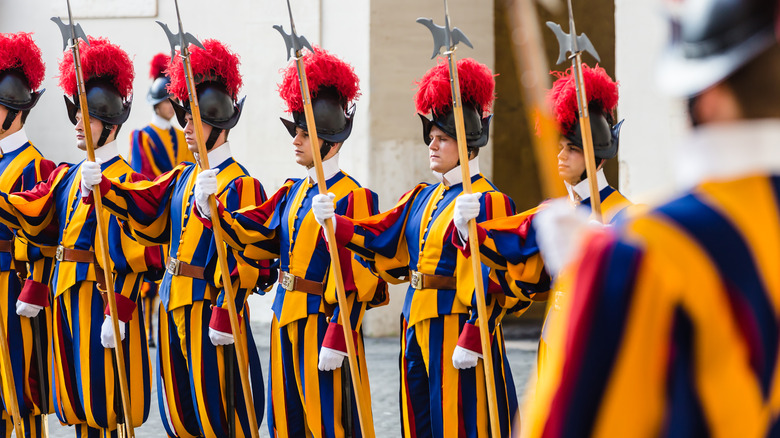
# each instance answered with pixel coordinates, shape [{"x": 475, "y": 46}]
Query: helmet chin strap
[
  {"x": 213, "y": 138},
  {"x": 9, "y": 119},
  {"x": 325, "y": 149},
  {"x": 104, "y": 134}
]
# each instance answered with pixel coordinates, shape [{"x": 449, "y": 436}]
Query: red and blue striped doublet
[
  {"x": 85, "y": 391},
  {"x": 303, "y": 401},
  {"x": 21, "y": 169},
  {"x": 436, "y": 399},
  {"x": 192, "y": 374},
  {"x": 672, "y": 324}
]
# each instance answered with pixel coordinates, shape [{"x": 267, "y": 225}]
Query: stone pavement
[{"x": 382, "y": 362}]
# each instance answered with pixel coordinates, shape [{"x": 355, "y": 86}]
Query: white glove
[
  {"x": 205, "y": 186},
  {"x": 107, "y": 333},
  {"x": 323, "y": 208},
  {"x": 330, "y": 359},
  {"x": 559, "y": 229},
  {"x": 466, "y": 208},
  {"x": 90, "y": 175},
  {"x": 27, "y": 310},
  {"x": 220, "y": 338},
  {"x": 463, "y": 359}
]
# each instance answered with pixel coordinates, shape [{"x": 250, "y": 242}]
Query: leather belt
[
  {"x": 74, "y": 255},
  {"x": 7, "y": 246},
  {"x": 292, "y": 283},
  {"x": 178, "y": 267},
  {"x": 418, "y": 280},
  {"x": 81, "y": 256}
]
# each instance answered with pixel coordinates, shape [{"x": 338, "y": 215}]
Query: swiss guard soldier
[
  {"x": 408, "y": 243},
  {"x": 160, "y": 146},
  {"x": 672, "y": 324},
  {"x": 85, "y": 392},
  {"x": 510, "y": 244},
  {"x": 156, "y": 149},
  {"x": 24, "y": 309},
  {"x": 193, "y": 325},
  {"x": 303, "y": 401}
]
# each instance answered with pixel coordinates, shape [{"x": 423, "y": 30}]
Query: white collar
[
  {"x": 13, "y": 141},
  {"x": 454, "y": 176},
  {"x": 218, "y": 155},
  {"x": 107, "y": 152},
  {"x": 582, "y": 188},
  {"x": 161, "y": 122},
  {"x": 729, "y": 151},
  {"x": 330, "y": 168}
]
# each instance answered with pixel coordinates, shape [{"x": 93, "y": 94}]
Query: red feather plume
[
  {"x": 216, "y": 63},
  {"x": 18, "y": 50},
  {"x": 159, "y": 64},
  {"x": 602, "y": 92},
  {"x": 477, "y": 87},
  {"x": 100, "y": 58},
  {"x": 322, "y": 70}
]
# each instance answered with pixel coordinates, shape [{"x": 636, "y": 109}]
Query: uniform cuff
[
  {"x": 334, "y": 338},
  {"x": 470, "y": 340},
  {"x": 463, "y": 245},
  {"x": 220, "y": 320},
  {"x": 344, "y": 231},
  {"x": 35, "y": 293},
  {"x": 105, "y": 186},
  {"x": 206, "y": 221},
  {"x": 124, "y": 307}
]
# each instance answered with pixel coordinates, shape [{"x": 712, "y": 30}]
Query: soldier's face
[
  {"x": 189, "y": 133},
  {"x": 302, "y": 148},
  {"x": 571, "y": 162},
  {"x": 442, "y": 152},
  {"x": 96, "y": 128},
  {"x": 164, "y": 109}
]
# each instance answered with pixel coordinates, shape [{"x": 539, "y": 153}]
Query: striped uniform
[
  {"x": 21, "y": 169},
  {"x": 190, "y": 403},
  {"x": 155, "y": 150},
  {"x": 672, "y": 327},
  {"x": 84, "y": 392},
  {"x": 303, "y": 401},
  {"x": 436, "y": 399}
]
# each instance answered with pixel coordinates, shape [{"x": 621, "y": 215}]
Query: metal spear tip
[
  {"x": 294, "y": 43},
  {"x": 69, "y": 32},
  {"x": 567, "y": 44},
  {"x": 175, "y": 39},
  {"x": 440, "y": 36}
]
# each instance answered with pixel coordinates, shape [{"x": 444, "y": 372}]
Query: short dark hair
[
  {"x": 756, "y": 86},
  {"x": 25, "y": 113}
]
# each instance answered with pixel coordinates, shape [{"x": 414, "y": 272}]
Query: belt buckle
[
  {"x": 173, "y": 266},
  {"x": 287, "y": 281},
  {"x": 416, "y": 280},
  {"x": 60, "y": 254}
]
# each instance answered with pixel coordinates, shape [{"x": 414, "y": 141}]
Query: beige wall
[{"x": 654, "y": 123}]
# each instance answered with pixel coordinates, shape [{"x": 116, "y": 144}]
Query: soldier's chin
[{"x": 82, "y": 145}]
